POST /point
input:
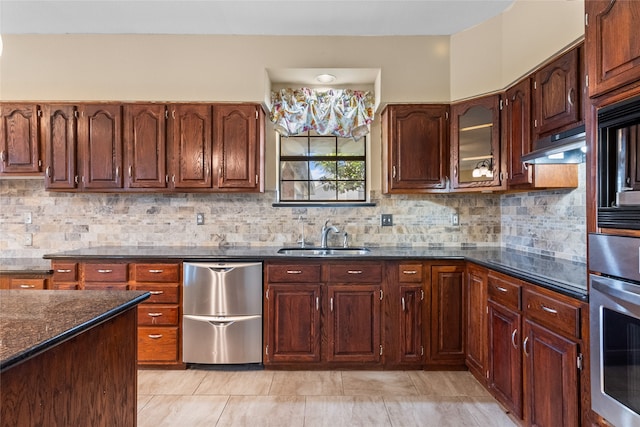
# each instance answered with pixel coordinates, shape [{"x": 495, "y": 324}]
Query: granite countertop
[
  {"x": 25, "y": 266},
  {"x": 31, "y": 322},
  {"x": 567, "y": 277}
]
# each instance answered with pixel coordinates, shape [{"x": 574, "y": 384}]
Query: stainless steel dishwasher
[{"x": 222, "y": 313}]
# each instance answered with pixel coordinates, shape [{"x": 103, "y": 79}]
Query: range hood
[{"x": 560, "y": 148}]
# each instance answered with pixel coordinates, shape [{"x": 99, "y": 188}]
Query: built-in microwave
[{"x": 618, "y": 172}]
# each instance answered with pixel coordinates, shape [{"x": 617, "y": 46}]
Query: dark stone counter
[
  {"x": 32, "y": 322},
  {"x": 566, "y": 277}
]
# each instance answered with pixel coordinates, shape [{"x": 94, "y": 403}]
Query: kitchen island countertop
[{"x": 564, "y": 276}]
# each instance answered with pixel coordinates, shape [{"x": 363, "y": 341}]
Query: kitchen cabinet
[
  {"x": 24, "y": 281},
  {"x": 65, "y": 275},
  {"x": 238, "y": 149},
  {"x": 504, "y": 367},
  {"x": 476, "y": 310},
  {"x": 446, "y": 317},
  {"x": 20, "y": 139},
  {"x": 415, "y": 148},
  {"x": 327, "y": 313},
  {"x": 145, "y": 134},
  {"x": 101, "y": 147},
  {"x": 160, "y": 316},
  {"x": 103, "y": 275},
  {"x": 404, "y": 328},
  {"x": 516, "y": 128},
  {"x": 611, "y": 44},
  {"x": 476, "y": 156},
  {"x": 558, "y": 94},
  {"x": 292, "y": 313},
  {"x": 60, "y": 135}
]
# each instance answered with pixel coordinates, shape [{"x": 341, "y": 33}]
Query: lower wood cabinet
[
  {"x": 476, "y": 310},
  {"x": 24, "y": 281}
]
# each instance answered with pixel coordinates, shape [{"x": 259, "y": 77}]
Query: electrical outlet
[
  {"x": 455, "y": 219},
  {"x": 199, "y": 219},
  {"x": 27, "y": 218},
  {"x": 28, "y": 239},
  {"x": 386, "y": 220}
]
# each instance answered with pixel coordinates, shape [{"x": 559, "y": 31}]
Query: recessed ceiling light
[{"x": 325, "y": 78}]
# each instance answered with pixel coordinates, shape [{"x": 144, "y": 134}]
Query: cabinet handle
[
  {"x": 154, "y": 314},
  {"x": 48, "y": 171},
  {"x": 548, "y": 310},
  {"x": 156, "y": 292},
  {"x": 513, "y": 338},
  {"x": 524, "y": 346},
  {"x": 501, "y": 289},
  {"x": 156, "y": 271},
  {"x": 570, "y": 97},
  {"x": 294, "y": 271},
  {"x": 105, "y": 271},
  {"x": 2, "y": 155},
  {"x": 63, "y": 271},
  {"x": 76, "y": 179},
  {"x": 393, "y": 172},
  {"x": 117, "y": 172},
  {"x": 455, "y": 171},
  {"x": 155, "y": 336},
  {"x": 381, "y": 294},
  {"x": 421, "y": 295},
  {"x": 173, "y": 179},
  {"x": 404, "y": 308},
  {"x": 27, "y": 286},
  {"x": 331, "y": 303},
  {"x": 354, "y": 271},
  {"x": 130, "y": 170},
  {"x": 409, "y": 272},
  {"x": 317, "y": 303}
]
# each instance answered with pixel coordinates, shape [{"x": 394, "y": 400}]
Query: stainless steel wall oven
[{"x": 614, "y": 301}]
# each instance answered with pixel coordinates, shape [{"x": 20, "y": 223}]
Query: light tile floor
[{"x": 259, "y": 398}]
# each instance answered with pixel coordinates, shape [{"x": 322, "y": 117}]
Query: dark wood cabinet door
[
  {"x": 447, "y": 315},
  {"x": 60, "y": 134},
  {"x": 551, "y": 378},
  {"x": 411, "y": 350},
  {"x": 19, "y": 139},
  {"x": 353, "y": 323},
  {"x": 236, "y": 141},
  {"x": 100, "y": 141},
  {"x": 476, "y": 297},
  {"x": 612, "y": 44},
  {"x": 505, "y": 357},
  {"x": 191, "y": 133},
  {"x": 146, "y": 135},
  {"x": 293, "y": 323},
  {"x": 517, "y": 132},
  {"x": 557, "y": 94},
  {"x": 415, "y": 147},
  {"x": 475, "y": 143}
]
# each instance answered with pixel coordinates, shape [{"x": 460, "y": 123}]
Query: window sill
[{"x": 323, "y": 205}]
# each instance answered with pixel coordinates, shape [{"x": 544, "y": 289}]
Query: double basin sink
[{"x": 315, "y": 251}]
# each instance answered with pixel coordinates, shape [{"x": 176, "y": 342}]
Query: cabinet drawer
[
  {"x": 105, "y": 272},
  {"x": 410, "y": 273},
  {"x": 161, "y": 293},
  {"x": 503, "y": 292},
  {"x": 106, "y": 286},
  {"x": 65, "y": 271},
  {"x": 159, "y": 344},
  {"x": 287, "y": 273},
  {"x": 18, "y": 283},
  {"x": 156, "y": 272},
  {"x": 554, "y": 314},
  {"x": 156, "y": 314},
  {"x": 355, "y": 273},
  {"x": 64, "y": 286}
]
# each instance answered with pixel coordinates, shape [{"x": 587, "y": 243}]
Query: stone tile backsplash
[{"x": 549, "y": 223}]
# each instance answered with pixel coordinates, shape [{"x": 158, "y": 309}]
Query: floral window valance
[{"x": 340, "y": 112}]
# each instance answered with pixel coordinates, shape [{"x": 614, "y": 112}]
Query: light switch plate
[{"x": 386, "y": 220}]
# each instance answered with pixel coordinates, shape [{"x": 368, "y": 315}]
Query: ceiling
[{"x": 245, "y": 17}]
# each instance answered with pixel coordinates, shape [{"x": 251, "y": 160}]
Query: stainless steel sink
[{"x": 324, "y": 251}]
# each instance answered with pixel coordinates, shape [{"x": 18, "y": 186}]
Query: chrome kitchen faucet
[{"x": 325, "y": 231}]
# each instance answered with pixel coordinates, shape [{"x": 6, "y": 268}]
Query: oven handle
[{"x": 615, "y": 288}]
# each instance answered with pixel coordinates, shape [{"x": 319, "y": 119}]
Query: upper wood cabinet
[
  {"x": 415, "y": 148},
  {"x": 19, "y": 139},
  {"x": 145, "y": 134},
  {"x": 558, "y": 94},
  {"x": 60, "y": 136},
  {"x": 612, "y": 44},
  {"x": 475, "y": 144},
  {"x": 100, "y": 143},
  {"x": 238, "y": 149},
  {"x": 190, "y": 127},
  {"x": 516, "y": 137}
]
